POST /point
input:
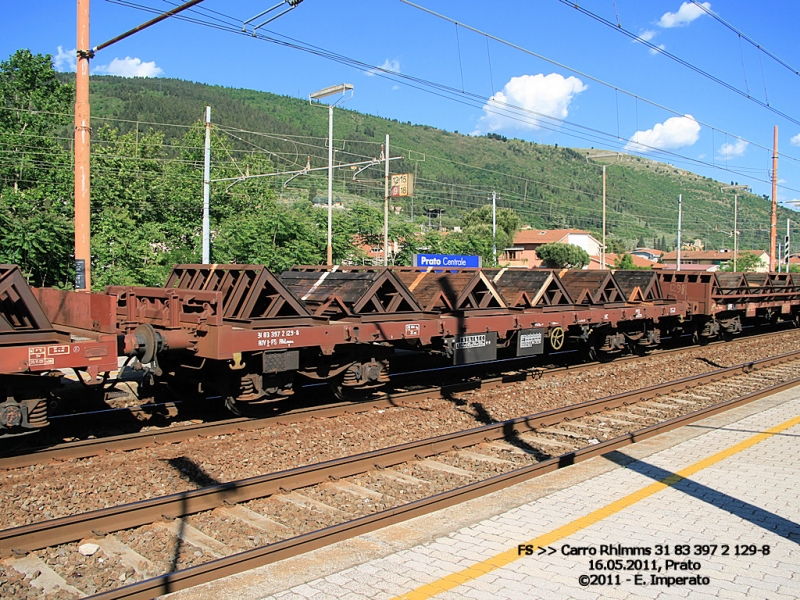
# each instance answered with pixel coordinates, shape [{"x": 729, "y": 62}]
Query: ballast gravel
[{"x": 48, "y": 491}]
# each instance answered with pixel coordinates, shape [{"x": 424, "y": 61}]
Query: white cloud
[
  {"x": 388, "y": 65},
  {"x": 66, "y": 60},
  {"x": 735, "y": 149},
  {"x": 548, "y": 95},
  {"x": 646, "y": 36},
  {"x": 129, "y": 67},
  {"x": 795, "y": 140},
  {"x": 675, "y": 132},
  {"x": 687, "y": 13}
]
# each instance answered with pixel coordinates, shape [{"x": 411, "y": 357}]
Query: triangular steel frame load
[
  {"x": 786, "y": 286},
  {"x": 529, "y": 288},
  {"x": 22, "y": 319},
  {"x": 730, "y": 284},
  {"x": 452, "y": 291},
  {"x": 369, "y": 294},
  {"x": 592, "y": 287},
  {"x": 639, "y": 286},
  {"x": 784, "y": 281},
  {"x": 759, "y": 282},
  {"x": 250, "y": 293}
]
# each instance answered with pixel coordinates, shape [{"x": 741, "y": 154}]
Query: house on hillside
[
  {"x": 526, "y": 241},
  {"x": 709, "y": 260}
]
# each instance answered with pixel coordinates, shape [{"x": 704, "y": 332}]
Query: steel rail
[
  {"x": 171, "y": 435},
  {"x": 256, "y": 557},
  {"x": 66, "y": 529}
]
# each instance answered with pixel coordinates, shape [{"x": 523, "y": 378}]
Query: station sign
[
  {"x": 447, "y": 261},
  {"x": 402, "y": 185}
]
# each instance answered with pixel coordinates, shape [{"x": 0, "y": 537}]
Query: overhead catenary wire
[
  {"x": 675, "y": 58},
  {"x": 447, "y": 91},
  {"x": 745, "y": 37}
]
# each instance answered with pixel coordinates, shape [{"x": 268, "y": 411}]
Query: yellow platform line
[{"x": 505, "y": 558}]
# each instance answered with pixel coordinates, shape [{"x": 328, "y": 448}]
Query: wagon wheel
[{"x": 557, "y": 338}]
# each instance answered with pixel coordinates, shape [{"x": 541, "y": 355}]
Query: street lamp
[
  {"x": 342, "y": 89},
  {"x": 603, "y": 249},
  {"x": 735, "y": 219}
]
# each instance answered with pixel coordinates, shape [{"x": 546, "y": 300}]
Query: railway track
[
  {"x": 85, "y": 448},
  {"x": 225, "y": 528}
]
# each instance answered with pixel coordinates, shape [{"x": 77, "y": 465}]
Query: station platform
[{"x": 709, "y": 510}]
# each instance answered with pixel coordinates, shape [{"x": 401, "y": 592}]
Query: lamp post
[
  {"x": 735, "y": 219},
  {"x": 341, "y": 88},
  {"x": 603, "y": 248}
]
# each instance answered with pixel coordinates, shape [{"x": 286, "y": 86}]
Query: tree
[
  {"x": 615, "y": 245},
  {"x": 560, "y": 256},
  {"x": 36, "y": 205},
  {"x": 477, "y": 238},
  {"x": 745, "y": 262},
  {"x": 624, "y": 262}
]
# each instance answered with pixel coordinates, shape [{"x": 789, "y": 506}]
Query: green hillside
[
  {"x": 147, "y": 183},
  {"x": 547, "y": 186}
]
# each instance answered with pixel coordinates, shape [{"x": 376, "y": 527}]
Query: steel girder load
[
  {"x": 768, "y": 294},
  {"x": 785, "y": 281},
  {"x": 251, "y": 295},
  {"x": 639, "y": 286},
  {"x": 367, "y": 294},
  {"x": 592, "y": 287},
  {"x": 22, "y": 320},
  {"x": 445, "y": 292},
  {"x": 751, "y": 291},
  {"x": 731, "y": 287},
  {"x": 529, "y": 288}
]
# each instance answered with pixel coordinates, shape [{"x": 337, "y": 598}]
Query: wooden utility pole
[
  {"x": 773, "y": 230},
  {"x": 83, "y": 133}
]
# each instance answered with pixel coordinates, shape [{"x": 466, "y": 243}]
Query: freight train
[{"x": 252, "y": 336}]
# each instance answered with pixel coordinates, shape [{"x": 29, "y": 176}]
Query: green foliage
[
  {"x": 745, "y": 262},
  {"x": 273, "y": 236},
  {"x": 147, "y": 183},
  {"x": 615, "y": 245},
  {"x": 36, "y": 205},
  {"x": 624, "y": 262},
  {"x": 476, "y": 236},
  {"x": 561, "y": 256},
  {"x": 548, "y": 187}
]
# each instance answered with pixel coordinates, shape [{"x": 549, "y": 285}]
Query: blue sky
[{"x": 546, "y": 72}]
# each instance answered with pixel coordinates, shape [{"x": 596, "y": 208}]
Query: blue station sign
[{"x": 447, "y": 261}]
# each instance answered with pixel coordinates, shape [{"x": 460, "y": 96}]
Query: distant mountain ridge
[{"x": 549, "y": 186}]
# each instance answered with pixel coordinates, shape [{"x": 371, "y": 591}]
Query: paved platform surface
[{"x": 715, "y": 503}]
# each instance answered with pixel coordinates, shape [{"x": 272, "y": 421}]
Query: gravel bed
[
  {"x": 297, "y": 519},
  {"x": 16, "y": 585},
  {"x": 90, "y": 574},
  {"x": 166, "y": 551},
  {"x": 348, "y": 503},
  {"x": 484, "y": 468},
  {"x": 48, "y": 491},
  {"x": 228, "y": 530},
  {"x": 403, "y": 491}
]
